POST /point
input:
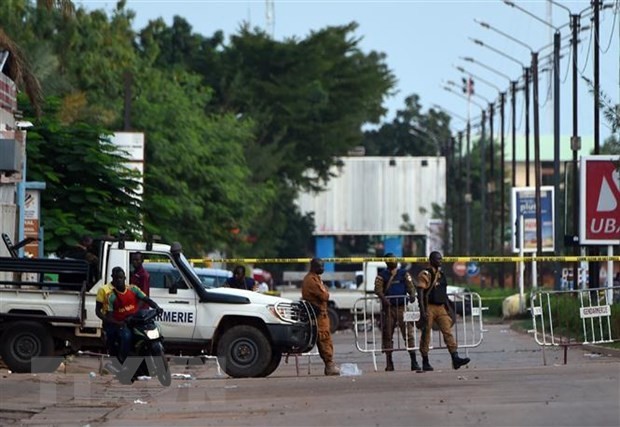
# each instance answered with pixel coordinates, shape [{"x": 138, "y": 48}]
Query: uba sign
[{"x": 600, "y": 200}]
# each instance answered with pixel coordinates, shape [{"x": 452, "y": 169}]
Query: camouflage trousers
[
  {"x": 437, "y": 314},
  {"x": 324, "y": 339},
  {"x": 391, "y": 316}
]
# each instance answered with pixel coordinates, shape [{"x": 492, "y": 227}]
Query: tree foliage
[
  {"x": 198, "y": 186},
  {"x": 233, "y": 127},
  {"x": 411, "y": 133},
  {"x": 308, "y": 98},
  {"x": 88, "y": 190}
]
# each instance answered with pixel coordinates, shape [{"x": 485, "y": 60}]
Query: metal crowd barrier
[
  {"x": 313, "y": 353},
  {"x": 468, "y": 329},
  {"x": 576, "y": 317}
]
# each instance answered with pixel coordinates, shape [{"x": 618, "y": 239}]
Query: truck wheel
[
  {"x": 276, "y": 357},
  {"x": 334, "y": 319},
  {"x": 23, "y": 341},
  {"x": 244, "y": 351}
]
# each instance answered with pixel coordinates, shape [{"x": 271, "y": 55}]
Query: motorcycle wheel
[{"x": 159, "y": 364}]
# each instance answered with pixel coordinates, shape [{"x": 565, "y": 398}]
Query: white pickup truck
[
  {"x": 47, "y": 308},
  {"x": 341, "y": 300}
]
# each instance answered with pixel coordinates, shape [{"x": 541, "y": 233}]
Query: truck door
[{"x": 179, "y": 303}]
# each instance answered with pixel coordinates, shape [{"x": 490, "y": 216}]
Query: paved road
[{"x": 506, "y": 384}]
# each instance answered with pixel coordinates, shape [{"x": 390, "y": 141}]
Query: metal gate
[
  {"x": 574, "y": 317},
  {"x": 468, "y": 330}
]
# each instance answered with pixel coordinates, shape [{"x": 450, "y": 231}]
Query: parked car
[
  {"x": 163, "y": 274},
  {"x": 461, "y": 299}
]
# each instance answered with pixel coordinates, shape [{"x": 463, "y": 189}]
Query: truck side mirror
[{"x": 170, "y": 283}]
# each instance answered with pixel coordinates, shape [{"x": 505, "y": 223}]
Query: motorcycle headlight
[{"x": 152, "y": 334}]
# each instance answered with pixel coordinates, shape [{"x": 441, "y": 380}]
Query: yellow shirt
[{"x": 102, "y": 296}]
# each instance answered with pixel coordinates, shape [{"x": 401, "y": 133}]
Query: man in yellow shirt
[{"x": 101, "y": 310}]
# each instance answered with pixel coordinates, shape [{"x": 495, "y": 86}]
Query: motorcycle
[{"x": 147, "y": 356}]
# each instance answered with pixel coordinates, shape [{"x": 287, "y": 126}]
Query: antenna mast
[{"x": 270, "y": 17}]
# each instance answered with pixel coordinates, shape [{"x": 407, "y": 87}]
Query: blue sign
[
  {"x": 473, "y": 269},
  {"x": 524, "y": 205}
]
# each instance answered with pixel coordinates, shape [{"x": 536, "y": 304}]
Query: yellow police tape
[{"x": 447, "y": 259}]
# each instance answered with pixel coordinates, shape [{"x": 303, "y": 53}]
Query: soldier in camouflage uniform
[
  {"x": 435, "y": 307},
  {"x": 315, "y": 292},
  {"x": 395, "y": 283}
]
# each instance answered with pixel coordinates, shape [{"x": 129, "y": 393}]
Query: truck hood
[{"x": 254, "y": 297}]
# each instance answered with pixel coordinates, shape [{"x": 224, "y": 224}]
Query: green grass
[
  {"x": 567, "y": 322},
  {"x": 615, "y": 345},
  {"x": 492, "y": 298}
]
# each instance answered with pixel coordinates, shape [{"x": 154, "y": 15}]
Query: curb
[
  {"x": 594, "y": 348},
  {"x": 606, "y": 351}
]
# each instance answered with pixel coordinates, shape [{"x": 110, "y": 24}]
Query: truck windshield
[
  {"x": 186, "y": 267},
  {"x": 188, "y": 271}
]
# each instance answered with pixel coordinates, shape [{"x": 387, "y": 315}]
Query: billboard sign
[
  {"x": 599, "y": 187},
  {"x": 32, "y": 222},
  {"x": 524, "y": 204}
]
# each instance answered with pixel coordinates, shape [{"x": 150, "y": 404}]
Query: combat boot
[
  {"x": 414, "y": 362},
  {"x": 425, "y": 365},
  {"x": 457, "y": 362},
  {"x": 331, "y": 369},
  {"x": 389, "y": 363}
]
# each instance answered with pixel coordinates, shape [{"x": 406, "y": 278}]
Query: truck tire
[
  {"x": 244, "y": 351},
  {"x": 23, "y": 341},
  {"x": 334, "y": 319},
  {"x": 276, "y": 357}
]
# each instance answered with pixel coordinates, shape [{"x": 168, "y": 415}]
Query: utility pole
[
  {"x": 575, "y": 147},
  {"x": 460, "y": 183},
  {"x": 502, "y": 166},
  {"x": 491, "y": 180},
  {"x": 593, "y": 267},
  {"x": 537, "y": 169},
  {"x": 483, "y": 189}
]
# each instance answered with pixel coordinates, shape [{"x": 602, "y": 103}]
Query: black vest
[{"x": 438, "y": 294}]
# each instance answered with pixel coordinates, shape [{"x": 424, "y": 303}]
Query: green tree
[
  {"x": 198, "y": 187},
  {"x": 231, "y": 128},
  {"x": 97, "y": 52},
  {"x": 308, "y": 98},
  {"x": 411, "y": 133},
  {"x": 87, "y": 189}
]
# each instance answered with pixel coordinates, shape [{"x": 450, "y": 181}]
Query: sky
[{"x": 425, "y": 40}]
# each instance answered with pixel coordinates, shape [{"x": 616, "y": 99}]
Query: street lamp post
[
  {"x": 483, "y": 176},
  {"x": 537, "y": 168},
  {"x": 464, "y": 231},
  {"x": 597, "y": 144},
  {"x": 556, "y": 140},
  {"x": 460, "y": 181},
  {"x": 445, "y": 148},
  {"x": 492, "y": 162},
  {"x": 575, "y": 22},
  {"x": 483, "y": 179},
  {"x": 468, "y": 196},
  {"x": 526, "y": 78}
]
